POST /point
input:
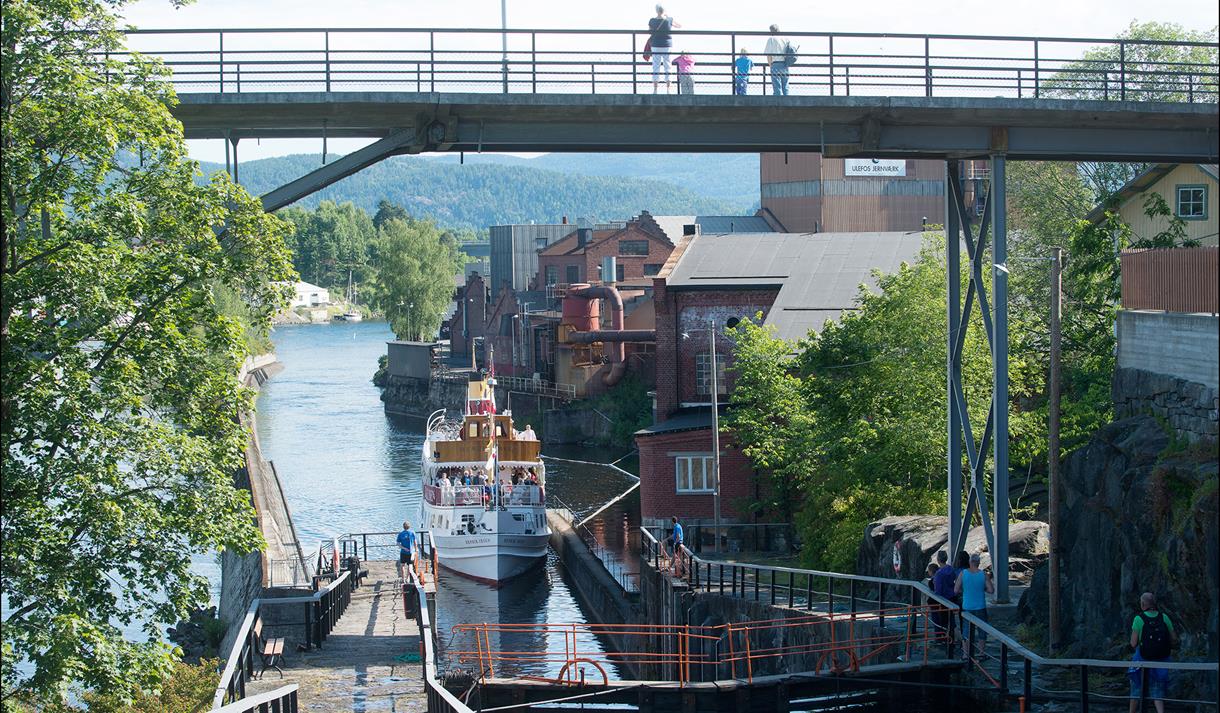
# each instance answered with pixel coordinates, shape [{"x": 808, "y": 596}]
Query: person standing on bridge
[
  {"x": 974, "y": 585},
  {"x": 741, "y": 72},
  {"x": 777, "y": 51},
  {"x": 686, "y": 78},
  {"x": 660, "y": 40},
  {"x": 406, "y": 549},
  {"x": 1153, "y": 638}
]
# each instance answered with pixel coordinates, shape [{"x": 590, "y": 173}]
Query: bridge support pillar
[{"x": 960, "y": 229}]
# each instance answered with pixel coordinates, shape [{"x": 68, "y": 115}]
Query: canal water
[{"x": 346, "y": 466}]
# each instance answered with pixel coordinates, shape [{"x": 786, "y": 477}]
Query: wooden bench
[{"x": 271, "y": 650}]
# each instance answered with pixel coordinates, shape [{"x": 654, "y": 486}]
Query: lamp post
[{"x": 711, "y": 338}]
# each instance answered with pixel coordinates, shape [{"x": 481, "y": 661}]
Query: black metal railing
[
  {"x": 611, "y": 560},
  {"x": 322, "y": 611},
  {"x": 999, "y": 657},
  {"x": 612, "y": 62},
  {"x": 440, "y": 700}
]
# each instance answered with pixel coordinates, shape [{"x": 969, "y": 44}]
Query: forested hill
[
  {"x": 732, "y": 177},
  {"x": 482, "y": 194}
]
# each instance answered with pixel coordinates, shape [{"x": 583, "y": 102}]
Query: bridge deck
[{"x": 361, "y": 665}]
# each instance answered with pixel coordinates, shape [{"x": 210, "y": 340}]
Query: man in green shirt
[{"x": 1152, "y": 637}]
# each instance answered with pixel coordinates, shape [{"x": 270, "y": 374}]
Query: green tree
[
  {"x": 852, "y": 427},
  {"x": 387, "y": 211},
  {"x": 119, "y": 384},
  {"x": 1160, "y": 61},
  {"x": 416, "y": 275}
]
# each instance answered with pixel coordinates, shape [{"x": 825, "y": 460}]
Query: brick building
[
  {"x": 797, "y": 281},
  {"x": 577, "y": 257},
  {"x": 469, "y": 320},
  {"x": 805, "y": 192}
]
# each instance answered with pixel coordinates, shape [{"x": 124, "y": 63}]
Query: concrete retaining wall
[
  {"x": 602, "y": 598},
  {"x": 1184, "y": 346}
]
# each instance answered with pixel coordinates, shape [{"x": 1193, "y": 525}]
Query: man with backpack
[
  {"x": 780, "y": 55},
  {"x": 1153, "y": 638}
]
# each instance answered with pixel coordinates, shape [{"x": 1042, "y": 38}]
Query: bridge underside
[{"x": 897, "y": 127}]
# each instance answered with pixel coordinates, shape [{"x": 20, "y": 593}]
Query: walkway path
[{"x": 361, "y": 666}]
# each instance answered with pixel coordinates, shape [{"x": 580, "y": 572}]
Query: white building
[{"x": 307, "y": 295}]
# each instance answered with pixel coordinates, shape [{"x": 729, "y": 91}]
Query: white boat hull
[{"x": 490, "y": 558}]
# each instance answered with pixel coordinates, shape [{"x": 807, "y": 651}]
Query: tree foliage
[
  {"x": 1151, "y": 59},
  {"x": 417, "y": 265},
  {"x": 119, "y": 383},
  {"x": 851, "y": 426}
]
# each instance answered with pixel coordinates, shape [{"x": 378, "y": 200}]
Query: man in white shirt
[
  {"x": 775, "y": 49},
  {"x": 528, "y": 434}
]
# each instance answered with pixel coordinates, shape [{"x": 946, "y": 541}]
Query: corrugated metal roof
[{"x": 818, "y": 274}]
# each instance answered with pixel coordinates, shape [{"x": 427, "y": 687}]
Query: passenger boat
[{"x": 494, "y": 528}]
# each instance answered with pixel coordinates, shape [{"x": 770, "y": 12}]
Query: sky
[{"x": 1056, "y": 18}]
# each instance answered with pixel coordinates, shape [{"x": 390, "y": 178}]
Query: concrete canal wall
[
  {"x": 601, "y": 598},
  {"x": 244, "y": 576}
]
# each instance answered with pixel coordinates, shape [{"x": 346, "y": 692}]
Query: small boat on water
[
  {"x": 484, "y": 490},
  {"x": 349, "y": 317}
]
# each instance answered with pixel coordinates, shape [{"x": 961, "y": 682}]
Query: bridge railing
[
  {"x": 983, "y": 647},
  {"x": 539, "y": 61}
]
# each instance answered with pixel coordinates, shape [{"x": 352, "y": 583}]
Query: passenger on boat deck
[
  {"x": 528, "y": 434},
  {"x": 516, "y": 479}
]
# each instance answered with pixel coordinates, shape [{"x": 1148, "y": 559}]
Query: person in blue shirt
[
  {"x": 973, "y": 584},
  {"x": 674, "y": 542},
  {"x": 406, "y": 548},
  {"x": 741, "y": 72}
]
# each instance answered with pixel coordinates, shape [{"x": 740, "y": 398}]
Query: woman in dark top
[{"x": 660, "y": 40}]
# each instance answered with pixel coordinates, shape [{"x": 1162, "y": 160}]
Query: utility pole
[
  {"x": 504, "y": 42},
  {"x": 711, "y": 337},
  {"x": 1053, "y": 443}
]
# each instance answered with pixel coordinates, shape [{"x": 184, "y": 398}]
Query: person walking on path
[
  {"x": 973, "y": 584},
  {"x": 741, "y": 72},
  {"x": 660, "y": 40},
  {"x": 776, "y": 51},
  {"x": 406, "y": 549},
  {"x": 686, "y": 80},
  {"x": 673, "y": 543},
  {"x": 1153, "y": 638}
]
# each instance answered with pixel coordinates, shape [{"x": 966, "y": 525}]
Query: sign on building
[{"x": 874, "y": 167}]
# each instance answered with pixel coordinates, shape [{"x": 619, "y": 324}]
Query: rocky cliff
[
  {"x": 918, "y": 537},
  {"x": 1139, "y": 514}
]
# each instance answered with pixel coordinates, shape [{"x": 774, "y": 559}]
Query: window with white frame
[
  {"x": 1192, "y": 202},
  {"x": 703, "y": 374},
  {"x": 694, "y": 473}
]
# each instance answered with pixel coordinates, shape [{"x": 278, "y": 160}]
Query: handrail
[
  {"x": 242, "y": 653},
  {"x": 235, "y": 655},
  {"x": 918, "y": 586},
  {"x": 742, "y": 33},
  {"x": 261, "y": 699},
  {"x": 445, "y": 702},
  {"x": 1025, "y": 67}
]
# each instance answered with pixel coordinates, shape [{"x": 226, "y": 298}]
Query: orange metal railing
[{"x": 838, "y": 643}]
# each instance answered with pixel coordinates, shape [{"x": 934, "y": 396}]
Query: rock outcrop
[
  {"x": 918, "y": 537},
  {"x": 1139, "y": 514}
]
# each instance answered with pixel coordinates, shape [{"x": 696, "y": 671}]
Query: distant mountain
[
  {"x": 486, "y": 192},
  {"x": 732, "y": 177}
]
